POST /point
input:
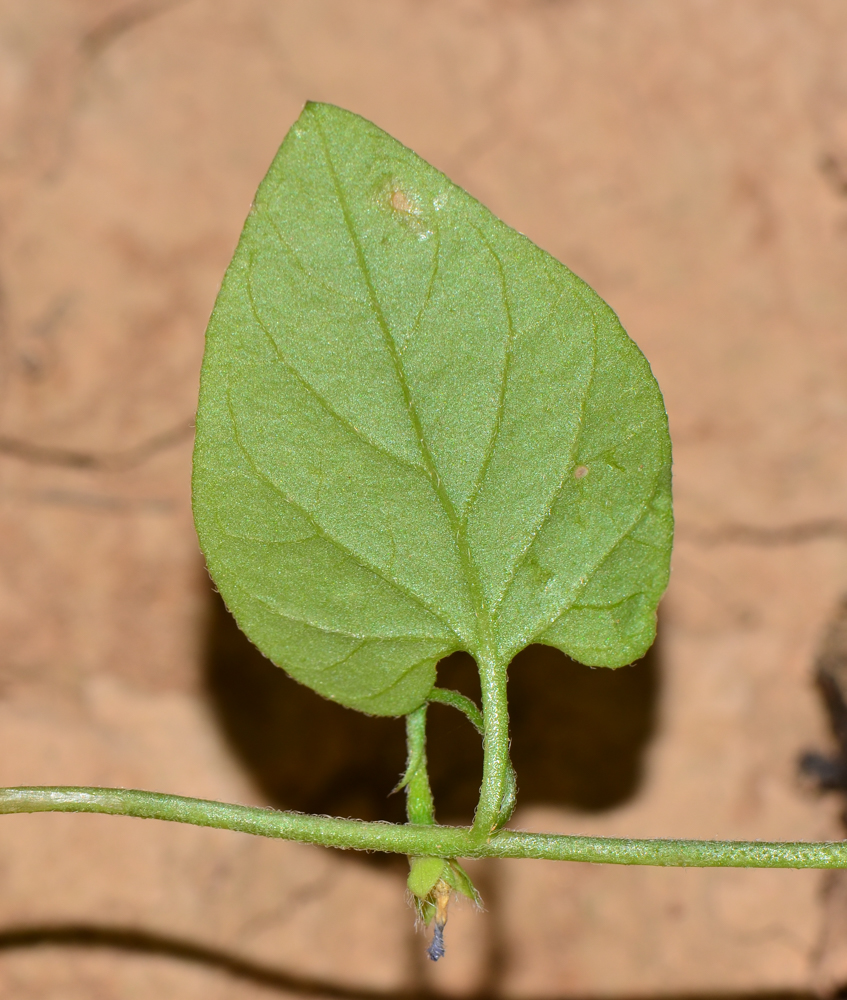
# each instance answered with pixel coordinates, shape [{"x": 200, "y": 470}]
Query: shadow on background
[
  {"x": 578, "y": 735},
  {"x": 139, "y": 942}
]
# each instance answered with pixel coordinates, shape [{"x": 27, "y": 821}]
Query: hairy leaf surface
[{"x": 418, "y": 433}]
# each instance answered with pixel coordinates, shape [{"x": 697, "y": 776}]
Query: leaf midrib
[{"x": 470, "y": 570}]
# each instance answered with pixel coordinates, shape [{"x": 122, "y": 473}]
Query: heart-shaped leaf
[{"x": 418, "y": 433}]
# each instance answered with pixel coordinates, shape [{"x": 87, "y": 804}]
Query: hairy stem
[
  {"x": 419, "y": 805},
  {"x": 496, "y": 765},
  {"x": 434, "y": 841}
]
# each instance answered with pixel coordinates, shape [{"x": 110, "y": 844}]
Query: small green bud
[{"x": 424, "y": 874}]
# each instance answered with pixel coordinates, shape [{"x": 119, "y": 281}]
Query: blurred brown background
[{"x": 689, "y": 160}]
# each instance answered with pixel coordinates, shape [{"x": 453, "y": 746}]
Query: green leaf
[{"x": 419, "y": 433}]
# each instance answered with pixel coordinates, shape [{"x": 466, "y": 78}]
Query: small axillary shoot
[{"x": 441, "y": 893}]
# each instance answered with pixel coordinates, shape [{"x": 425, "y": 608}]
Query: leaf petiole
[{"x": 497, "y": 774}]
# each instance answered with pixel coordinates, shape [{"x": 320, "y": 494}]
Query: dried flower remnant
[{"x": 441, "y": 892}]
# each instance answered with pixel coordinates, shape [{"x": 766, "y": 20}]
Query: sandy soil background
[{"x": 689, "y": 160}]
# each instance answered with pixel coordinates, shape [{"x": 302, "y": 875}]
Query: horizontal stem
[{"x": 432, "y": 841}]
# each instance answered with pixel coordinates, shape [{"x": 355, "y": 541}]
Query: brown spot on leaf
[{"x": 401, "y": 202}]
